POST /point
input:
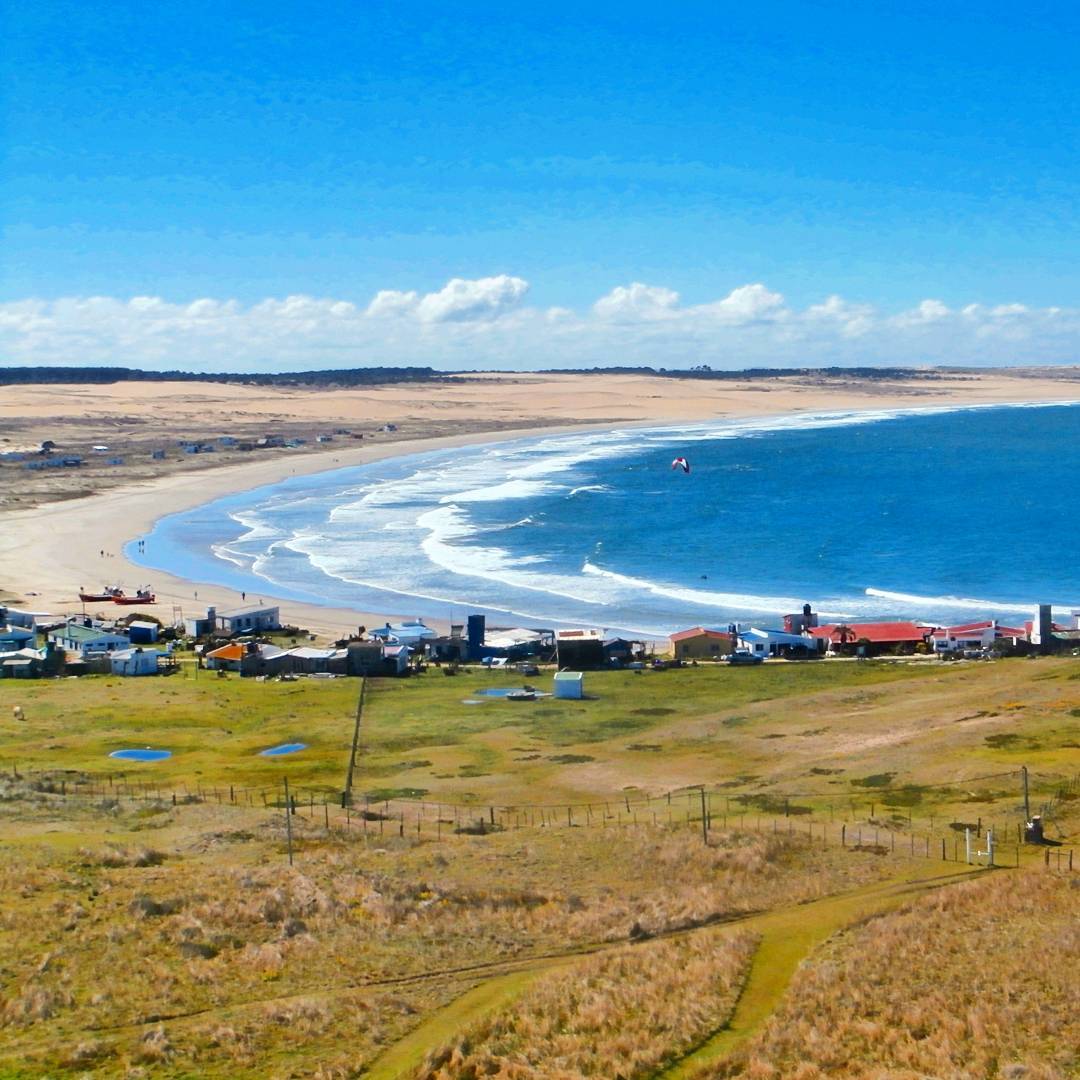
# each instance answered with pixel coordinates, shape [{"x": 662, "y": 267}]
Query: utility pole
[
  {"x": 704, "y": 817},
  {"x": 288, "y": 819}
]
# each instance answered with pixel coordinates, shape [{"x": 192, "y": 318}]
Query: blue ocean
[{"x": 939, "y": 514}]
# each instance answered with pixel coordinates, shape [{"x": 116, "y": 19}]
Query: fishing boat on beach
[
  {"x": 109, "y": 592},
  {"x": 143, "y": 596}
]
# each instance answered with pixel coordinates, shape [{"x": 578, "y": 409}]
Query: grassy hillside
[
  {"x": 143, "y": 937},
  {"x": 829, "y": 736}
]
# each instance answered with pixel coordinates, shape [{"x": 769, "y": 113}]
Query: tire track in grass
[
  {"x": 788, "y": 935},
  {"x": 787, "y": 938}
]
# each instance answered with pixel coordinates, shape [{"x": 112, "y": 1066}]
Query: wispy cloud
[{"x": 485, "y": 322}]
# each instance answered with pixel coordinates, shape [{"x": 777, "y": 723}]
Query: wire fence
[{"x": 842, "y": 822}]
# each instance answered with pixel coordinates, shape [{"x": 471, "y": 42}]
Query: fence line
[
  {"x": 735, "y": 804},
  {"x": 695, "y": 808}
]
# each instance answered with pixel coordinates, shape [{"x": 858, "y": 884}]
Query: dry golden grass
[
  {"x": 178, "y": 940},
  {"x": 976, "y": 981},
  {"x": 621, "y": 1013}
]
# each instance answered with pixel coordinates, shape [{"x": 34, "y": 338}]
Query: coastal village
[{"x": 252, "y": 641}]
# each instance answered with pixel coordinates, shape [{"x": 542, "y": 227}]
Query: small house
[
  {"x": 700, "y": 643},
  {"x": 778, "y": 643},
  {"x": 88, "y": 639},
  {"x": 157, "y": 455},
  {"x": 976, "y": 635},
  {"x": 21, "y": 664},
  {"x": 200, "y": 627},
  {"x": 135, "y": 661},
  {"x": 226, "y": 658},
  {"x": 307, "y": 660},
  {"x": 17, "y": 617},
  {"x": 621, "y": 651},
  {"x": 569, "y": 685},
  {"x": 396, "y": 659},
  {"x": 580, "y": 648},
  {"x": 363, "y": 658},
  {"x": 141, "y": 632},
  {"x": 15, "y": 637},
  {"x": 403, "y": 633},
  {"x": 244, "y": 620}
]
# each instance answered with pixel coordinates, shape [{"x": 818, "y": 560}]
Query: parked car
[
  {"x": 527, "y": 669},
  {"x": 744, "y": 656}
]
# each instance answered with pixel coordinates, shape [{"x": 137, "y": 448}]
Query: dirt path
[{"x": 788, "y": 935}]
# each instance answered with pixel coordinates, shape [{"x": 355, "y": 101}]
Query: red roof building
[
  {"x": 877, "y": 633},
  {"x": 699, "y": 643}
]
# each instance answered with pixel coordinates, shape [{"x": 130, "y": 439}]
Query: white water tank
[{"x": 569, "y": 684}]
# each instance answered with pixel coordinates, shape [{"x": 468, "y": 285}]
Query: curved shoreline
[{"x": 50, "y": 551}]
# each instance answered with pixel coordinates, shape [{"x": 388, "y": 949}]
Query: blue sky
[{"x": 886, "y": 154}]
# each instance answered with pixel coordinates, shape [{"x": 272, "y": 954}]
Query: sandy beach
[{"x": 51, "y": 549}]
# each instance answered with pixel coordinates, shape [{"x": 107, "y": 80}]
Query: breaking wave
[{"x": 596, "y": 529}]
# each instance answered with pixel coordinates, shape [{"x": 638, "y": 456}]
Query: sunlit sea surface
[{"x": 947, "y": 515}]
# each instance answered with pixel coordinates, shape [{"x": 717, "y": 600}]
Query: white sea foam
[
  {"x": 370, "y": 533},
  {"x": 932, "y": 602},
  {"x": 493, "y": 564},
  {"x": 772, "y": 605},
  {"x": 508, "y": 489}
]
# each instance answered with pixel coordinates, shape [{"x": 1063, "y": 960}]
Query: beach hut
[
  {"x": 244, "y": 620},
  {"x": 134, "y": 662},
  {"x": 569, "y": 685},
  {"x": 141, "y": 632}
]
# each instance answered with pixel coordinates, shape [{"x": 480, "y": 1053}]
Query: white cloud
[
  {"x": 463, "y": 300},
  {"x": 390, "y": 302},
  {"x": 637, "y": 301},
  {"x": 748, "y": 303},
  {"x": 929, "y": 311},
  {"x": 484, "y": 323}
]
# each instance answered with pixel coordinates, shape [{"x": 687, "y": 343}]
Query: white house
[
  {"x": 311, "y": 661},
  {"x": 88, "y": 639},
  {"x": 569, "y": 684},
  {"x": 774, "y": 642},
  {"x": 21, "y": 664},
  {"x": 16, "y": 617},
  {"x": 134, "y": 661},
  {"x": 976, "y": 635},
  {"x": 399, "y": 656},
  {"x": 15, "y": 637},
  {"x": 244, "y": 620},
  {"x": 403, "y": 633}
]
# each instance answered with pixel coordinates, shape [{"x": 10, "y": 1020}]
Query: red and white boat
[
  {"x": 143, "y": 596},
  {"x": 109, "y": 592}
]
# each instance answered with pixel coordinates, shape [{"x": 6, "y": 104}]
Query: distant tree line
[
  {"x": 368, "y": 376},
  {"x": 703, "y": 371},
  {"x": 344, "y": 377}
]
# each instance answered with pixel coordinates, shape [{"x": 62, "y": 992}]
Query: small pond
[
  {"x": 283, "y": 749},
  {"x": 141, "y": 755},
  {"x": 506, "y": 691}
]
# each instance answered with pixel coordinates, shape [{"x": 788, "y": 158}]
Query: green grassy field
[
  {"x": 825, "y": 736},
  {"x": 381, "y": 943}
]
